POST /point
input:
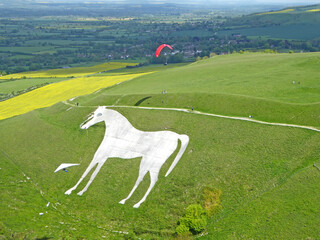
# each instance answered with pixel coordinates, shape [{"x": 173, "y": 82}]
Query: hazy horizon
[
  {"x": 203, "y": 1},
  {"x": 200, "y": 2}
]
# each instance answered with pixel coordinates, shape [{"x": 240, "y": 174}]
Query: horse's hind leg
[
  {"x": 91, "y": 165},
  {"x": 142, "y": 173},
  {"x": 154, "y": 179},
  {"x": 93, "y": 175}
]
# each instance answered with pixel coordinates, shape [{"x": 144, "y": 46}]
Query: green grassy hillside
[
  {"x": 266, "y": 173},
  {"x": 264, "y": 76},
  {"x": 239, "y": 85}
]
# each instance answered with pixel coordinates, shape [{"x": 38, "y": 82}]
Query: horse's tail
[{"x": 184, "y": 143}]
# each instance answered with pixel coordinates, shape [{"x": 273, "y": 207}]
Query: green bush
[
  {"x": 194, "y": 220},
  {"x": 194, "y": 211},
  {"x": 182, "y": 229},
  {"x": 130, "y": 236}
]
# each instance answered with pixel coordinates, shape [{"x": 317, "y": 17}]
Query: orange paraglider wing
[{"x": 161, "y": 47}]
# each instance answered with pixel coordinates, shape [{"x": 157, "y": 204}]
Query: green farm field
[
  {"x": 69, "y": 72},
  {"x": 28, "y": 50},
  {"x": 8, "y": 86},
  {"x": 270, "y": 188}
]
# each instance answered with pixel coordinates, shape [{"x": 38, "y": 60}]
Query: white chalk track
[{"x": 212, "y": 115}]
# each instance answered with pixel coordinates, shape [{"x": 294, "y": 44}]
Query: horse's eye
[{"x": 99, "y": 114}]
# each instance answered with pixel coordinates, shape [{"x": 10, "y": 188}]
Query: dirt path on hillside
[{"x": 209, "y": 114}]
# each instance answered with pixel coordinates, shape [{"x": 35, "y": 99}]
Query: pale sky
[{"x": 306, "y": 2}]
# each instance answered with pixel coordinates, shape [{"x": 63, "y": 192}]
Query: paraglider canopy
[
  {"x": 65, "y": 165},
  {"x": 159, "y": 49}
]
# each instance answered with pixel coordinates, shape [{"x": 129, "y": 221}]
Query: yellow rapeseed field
[
  {"x": 314, "y": 10},
  {"x": 282, "y": 11},
  {"x": 69, "y": 72},
  {"x": 50, "y": 94}
]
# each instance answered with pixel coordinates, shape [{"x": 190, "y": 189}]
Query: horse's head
[{"x": 93, "y": 118}]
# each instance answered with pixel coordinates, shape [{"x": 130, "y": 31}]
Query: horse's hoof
[
  {"x": 80, "y": 193},
  {"x": 123, "y": 201},
  {"x": 68, "y": 192},
  {"x": 136, "y": 205}
]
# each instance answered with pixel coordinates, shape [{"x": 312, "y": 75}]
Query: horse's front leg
[
  {"x": 91, "y": 165},
  {"x": 97, "y": 158},
  {"x": 93, "y": 175}
]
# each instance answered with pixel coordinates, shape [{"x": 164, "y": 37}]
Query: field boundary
[{"x": 208, "y": 114}]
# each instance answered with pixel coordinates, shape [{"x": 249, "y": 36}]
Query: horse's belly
[{"x": 121, "y": 148}]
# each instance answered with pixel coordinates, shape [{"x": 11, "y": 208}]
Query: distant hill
[
  {"x": 295, "y": 10},
  {"x": 301, "y": 23}
]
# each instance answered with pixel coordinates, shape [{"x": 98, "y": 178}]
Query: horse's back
[{"x": 131, "y": 143}]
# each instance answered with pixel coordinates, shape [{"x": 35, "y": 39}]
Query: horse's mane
[{"x": 115, "y": 116}]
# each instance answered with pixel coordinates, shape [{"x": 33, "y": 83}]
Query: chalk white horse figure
[{"x": 122, "y": 140}]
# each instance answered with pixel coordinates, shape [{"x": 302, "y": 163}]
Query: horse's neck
[{"x": 114, "y": 119}]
